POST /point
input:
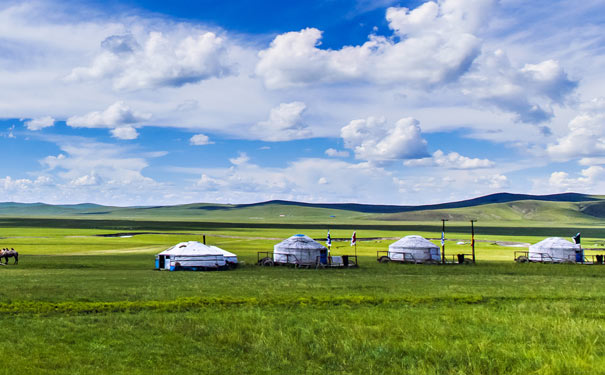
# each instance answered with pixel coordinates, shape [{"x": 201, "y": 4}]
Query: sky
[{"x": 140, "y": 102}]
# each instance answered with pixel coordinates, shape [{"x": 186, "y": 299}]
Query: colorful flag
[
  {"x": 576, "y": 238},
  {"x": 354, "y": 239},
  {"x": 329, "y": 241},
  {"x": 442, "y": 238}
]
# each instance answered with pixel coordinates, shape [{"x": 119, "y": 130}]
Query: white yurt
[
  {"x": 299, "y": 249},
  {"x": 414, "y": 249},
  {"x": 196, "y": 256},
  {"x": 556, "y": 250}
]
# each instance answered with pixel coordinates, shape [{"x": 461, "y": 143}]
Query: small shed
[
  {"x": 415, "y": 249},
  {"x": 195, "y": 256},
  {"x": 299, "y": 249},
  {"x": 555, "y": 250}
]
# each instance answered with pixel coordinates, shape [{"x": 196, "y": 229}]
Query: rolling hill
[{"x": 567, "y": 207}]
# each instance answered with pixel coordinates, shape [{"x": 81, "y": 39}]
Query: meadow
[{"x": 80, "y": 303}]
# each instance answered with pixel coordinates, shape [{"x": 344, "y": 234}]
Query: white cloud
[
  {"x": 200, "y": 140},
  {"x": 114, "y": 116},
  {"x": 453, "y": 160},
  {"x": 86, "y": 180},
  {"x": 585, "y": 136},
  {"x": 373, "y": 139},
  {"x": 529, "y": 92},
  {"x": 336, "y": 153},
  {"x": 312, "y": 180},
  {"x": 434, "y": 44},
  {"x": 119, "y": 117},
  {"x": 40, "y": 123},
  {"x": 241, "y": 159},
  {"x": 124, "y": 132},
  {"x": 82, "y": 163},
  {"x": 162, "y": 60},
  {"x": 588, "y": 178},
  {"x": 285, "y": 123}
]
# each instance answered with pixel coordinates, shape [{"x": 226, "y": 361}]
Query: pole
[
  {"x": 473, "y": 238},
  {"x": 443, "y": 240}
]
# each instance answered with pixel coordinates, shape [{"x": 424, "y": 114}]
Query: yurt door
[
  {"x": 162, "y": 262},
  {"x": 323, "y": 256}
]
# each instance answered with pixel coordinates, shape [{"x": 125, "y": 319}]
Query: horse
[{"x": 6, "y": 253}]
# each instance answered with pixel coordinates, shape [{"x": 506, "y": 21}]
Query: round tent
[
  {"x": 299, "y": 249},
  {"x": 193, "y": 255},
  {"x": 556, "y": 250},
  {"x": 415, "y": 249}
]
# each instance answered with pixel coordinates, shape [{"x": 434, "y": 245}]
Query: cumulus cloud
[
  {"x": 336, "y": 153},
  {"x": 8, "y": 183},
  {"x": 585, "y": 137},
  {"x": 124, "y": 132},
  {"x": 40, "y": 123},
  {"x": 587, "y": 179},
  {"x": 241, "y": 159},
  {"x": 119, "y": 117},
  {"x": 529, "y": 91},
  {"x": 452, "y": 160},
  {"x": 285, "y": 123},
  {"x": 373, "y": 139},
  {"x": 162, "y": 60},
  {"x": 200, "y": 140},
  {"x": 82, "y": 164},
  {"x": 432, "y": 44}
]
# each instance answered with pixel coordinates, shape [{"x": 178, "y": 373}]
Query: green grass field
[{"x": 80, "y": 303}]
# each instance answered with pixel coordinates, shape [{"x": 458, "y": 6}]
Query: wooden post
[
  {"x": 443, "y": 240},
  {"x": 473, "y": 238}
]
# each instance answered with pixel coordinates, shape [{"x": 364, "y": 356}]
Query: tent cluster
[{"x": 302, "y": 250}]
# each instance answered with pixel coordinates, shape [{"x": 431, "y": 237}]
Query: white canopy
[
  {"x": 195, "y": 248},
  {"x": 554, "y": 249},
  {"x": 414, "y": 249}
]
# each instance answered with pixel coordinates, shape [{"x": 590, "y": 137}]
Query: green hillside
[{"x": 561, "y": 208}]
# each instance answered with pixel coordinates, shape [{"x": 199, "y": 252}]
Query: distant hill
[
  {"x": 376, "y": 208},
  {"x": 567, "y": 207}
]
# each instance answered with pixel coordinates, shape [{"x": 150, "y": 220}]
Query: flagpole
[
  {"x": 473, "y": 239},
  {"x": 443, "y": 240}
]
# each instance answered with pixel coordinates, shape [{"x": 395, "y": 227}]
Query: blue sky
[{"x": 394, "y": 102}]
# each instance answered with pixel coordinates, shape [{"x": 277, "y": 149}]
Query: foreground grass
[{"x": 113, "y": 314}]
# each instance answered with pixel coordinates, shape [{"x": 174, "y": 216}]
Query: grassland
[{"x": 83, "y": 303}]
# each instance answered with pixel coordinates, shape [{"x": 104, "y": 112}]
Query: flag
[
  {"x": 354, "y": 239},
  {"x": 329, "y": 240},
  {"x": 576, "y": 238},
  {"x": 442, "y": 238}
]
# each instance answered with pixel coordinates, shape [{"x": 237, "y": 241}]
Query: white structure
[
  {"x": 300, "y": 249},
  {"x": 415, "y": 249},
  {"x": 555, "y": 250},
  {"x": 193, "y": 255}
]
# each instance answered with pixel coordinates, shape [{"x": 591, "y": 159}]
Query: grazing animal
[{"x": 6, "y": 253}]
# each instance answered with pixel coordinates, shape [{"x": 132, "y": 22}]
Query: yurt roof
[
  {"x": 194, "y": 248},
  {"x": 224, "y": 252},
  {"x": 414, "y": 242},
  {"x": 301, "y": 242},
  {"x": 554, "y": 243}
]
